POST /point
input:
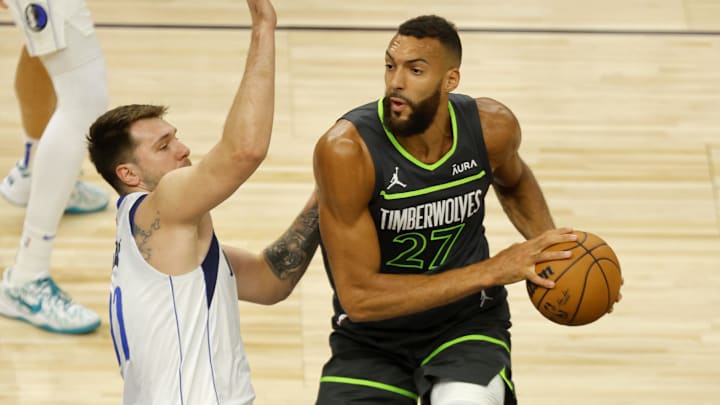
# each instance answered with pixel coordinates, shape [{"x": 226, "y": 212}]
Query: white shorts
[{"x": 44, "y": 22}]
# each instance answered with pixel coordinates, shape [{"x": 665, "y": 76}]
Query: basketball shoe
[
  {"x": 85, "y": 198},
  {"x": 43, "y": 304}
]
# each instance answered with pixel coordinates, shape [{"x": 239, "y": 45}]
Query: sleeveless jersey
[
  {"x": 428, "y": 217},
  {"x": 177, "y": 338}
]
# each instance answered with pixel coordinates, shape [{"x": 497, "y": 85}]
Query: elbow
[
  {"x": 276, "y": 296},
  {"x": 359, "y": 316},
  {"x": 358, "y": 309},
  {"x": 280, "y": 295},
  {"x": 248, "y": 159},
  {"x": 258, "y": 153},
  {"x": 253, "y": 155}
]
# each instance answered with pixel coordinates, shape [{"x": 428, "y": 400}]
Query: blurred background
[{"x": 619, "y": 102}]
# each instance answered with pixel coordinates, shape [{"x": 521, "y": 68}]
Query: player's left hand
[{"x": 619, "y": 297}]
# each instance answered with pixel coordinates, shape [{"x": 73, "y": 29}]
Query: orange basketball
[{"x": 586, "y": 284}]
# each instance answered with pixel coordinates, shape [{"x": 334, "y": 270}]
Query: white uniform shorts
[{"x": 44, "y": 23}]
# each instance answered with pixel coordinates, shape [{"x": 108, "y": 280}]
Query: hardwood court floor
[{"x": 619, "y": 105}]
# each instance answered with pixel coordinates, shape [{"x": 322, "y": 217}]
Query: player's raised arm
[{"x": 246, "y": 135}]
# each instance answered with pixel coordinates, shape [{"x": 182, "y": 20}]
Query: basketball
[{"x": 587, "y": 284}]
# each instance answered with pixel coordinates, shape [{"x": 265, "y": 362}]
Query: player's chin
[
  {"x": 399, "y": 119},
  {"x": 186, "y": 163}
]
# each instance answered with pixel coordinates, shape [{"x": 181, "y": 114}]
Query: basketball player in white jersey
[
  {"x": 173, "y": 307},
  {"x": 61, "y": 88}
]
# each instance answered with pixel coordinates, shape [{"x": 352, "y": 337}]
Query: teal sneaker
[
  {"x": 43, "y": 304},
  {"x": 86, "y": 198},
  {"x": 15, "y": 187}
]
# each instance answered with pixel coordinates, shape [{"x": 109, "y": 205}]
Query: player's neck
[{"x": 432, "y": 144}]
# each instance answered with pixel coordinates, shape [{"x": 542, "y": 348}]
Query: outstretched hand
[
  {"x": 2, "y": 4},
  {"x": 261, "y": 11},
  {"x": 517, "y": 262},
  {"x": 619, "y": 297}
]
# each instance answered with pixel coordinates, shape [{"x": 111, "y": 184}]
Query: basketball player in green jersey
[{"x": 420, "y": 306}]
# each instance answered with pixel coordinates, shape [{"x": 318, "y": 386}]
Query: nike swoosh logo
[
  {"x": 34, "y": 309},
  {"x": 48, "y": 237}
]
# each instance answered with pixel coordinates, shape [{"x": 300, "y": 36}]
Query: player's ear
[
  {"x": 128, "y": 174},
  {"x": 452, "y": 80}
]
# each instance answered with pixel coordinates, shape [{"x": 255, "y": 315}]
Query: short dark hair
[
  {"x": 109, "y": 141},
  {"x": 432, "y": 26}
]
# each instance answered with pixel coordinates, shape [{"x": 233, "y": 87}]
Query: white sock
[
  {"x": 59, "y": 156},
  {"x": 81, "y": 98},
  {"x": 36, "y": 247}
]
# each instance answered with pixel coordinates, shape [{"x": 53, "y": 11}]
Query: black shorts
[{"x": 401, "y": 369}]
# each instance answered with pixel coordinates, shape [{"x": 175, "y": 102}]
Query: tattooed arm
[{"x": 270, "y": 277}]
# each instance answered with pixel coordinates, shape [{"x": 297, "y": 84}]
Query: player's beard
[{"x": 422, "y": 115}]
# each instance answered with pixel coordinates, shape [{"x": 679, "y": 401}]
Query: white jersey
[{"x": 177, "y": 338}]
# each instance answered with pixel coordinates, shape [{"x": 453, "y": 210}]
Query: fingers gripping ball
[{"x": 586, "y": 285}]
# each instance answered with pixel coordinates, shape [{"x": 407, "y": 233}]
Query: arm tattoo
[
  {"x": 290, "y": 255},
  {"x": 142, "y": 236}
]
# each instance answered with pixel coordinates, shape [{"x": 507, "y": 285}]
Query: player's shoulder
[
  {"x": 342, "y": 129},
  {"x": 343, "y": 141},
  {"x": 496, "y": 111},
  {"x": 340, "y": 151},
  {"x": 496, "y": 118},
  {"x": 342, "y": 136},
  {"x": 501, "y": 129}
]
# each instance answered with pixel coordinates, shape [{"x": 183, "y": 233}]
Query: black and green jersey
[{"x": 428, "y": 217}]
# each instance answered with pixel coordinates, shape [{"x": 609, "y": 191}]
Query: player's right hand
[
  {"x": 517, "y": 262},
  {"x": 2, "y": 4},
  {"x": 262, "y": 12}
]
